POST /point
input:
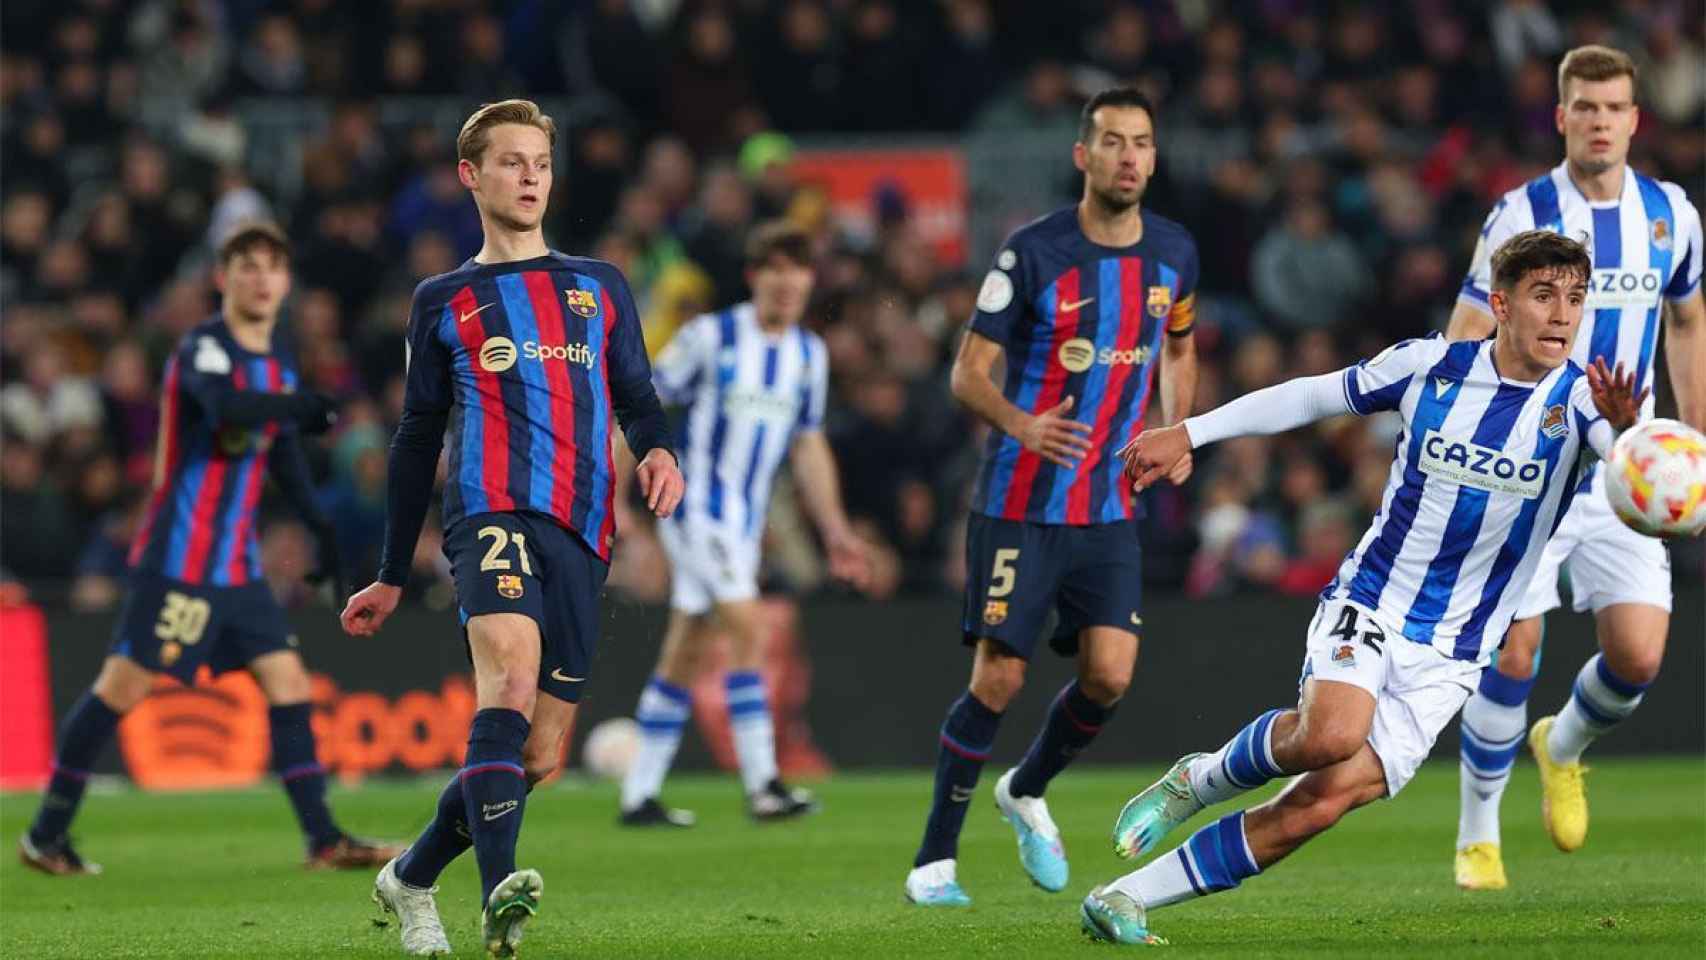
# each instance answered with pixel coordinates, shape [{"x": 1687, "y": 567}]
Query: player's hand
[
  {"x": 328, "y": 572},
  {"x": 1181, "y": 471},
  {"x": 1614, "y": 394},
  {"x": 660, "y": 481},
  {"x": 368, "y": 610},
  {"x": 316, "y": 413},
  {"x": 1156, "y": 454},
  {"x": 1056, "y": 437},
  {"x": 849, "y": 559}
]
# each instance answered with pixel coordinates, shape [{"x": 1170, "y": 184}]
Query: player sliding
[
  {"x": 1645, "y": 240},
  {"x": 229, "y": 415},
  {"x": 1490, "y": 456},
  {"x": 1076, "y": 306},
  {"x": 755, "y": 385},
  {"x": 524, "y": 353}
]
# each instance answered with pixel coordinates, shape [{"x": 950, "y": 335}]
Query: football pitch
[{"x": 218, "y": 875}]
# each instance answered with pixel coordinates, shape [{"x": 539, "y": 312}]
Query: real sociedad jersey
[
  {"x": 199, "y": 523},
  {"x": 1081, "y": 320},
  {"x": 1646, "y": 247},
  {"x": 747, "y": 393},
  {"x": 524, "y": 357},
  {"x": 1485, "y": 469}
]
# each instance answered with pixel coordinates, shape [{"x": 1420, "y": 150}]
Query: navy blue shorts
[
  {"x": 528, "y": 564},
  {"x": 1017, "y": 572},
  {"x": 174, "y": 627}
]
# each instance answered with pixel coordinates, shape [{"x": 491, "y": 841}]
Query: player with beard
[{"x": 1080, "y": 305}]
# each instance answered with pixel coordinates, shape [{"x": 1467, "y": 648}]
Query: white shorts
[
  {"x": 1608, "y": 562},
  {"x": 1416, "y": 689},
  {"x": 708, "y": 566}
]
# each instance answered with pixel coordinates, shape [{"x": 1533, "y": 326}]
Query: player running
[
  {"x": 754, "y": 384},
  {"x": 1489, "y": 458},
  {"x": 1645, "y": 240},
  {"x": 1076, "y": 306},
  {"x": 524, "y": 353},
  {"x": 229, "y": 415}
]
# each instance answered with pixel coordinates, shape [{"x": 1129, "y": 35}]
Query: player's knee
[
  {"x": 539, "y": 769},
  {"x": 1516, "y": 655},
  {"x": 1637, "y": 667},
  {"x": 1106, "y": 683},
  {"x": 997, "y": 688},
  {"x": 122, "y": 684}
]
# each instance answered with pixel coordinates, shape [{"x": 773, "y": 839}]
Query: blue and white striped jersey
[
  {"x": 1485, "y": 468},
  {"x": 1646, "y": 247},
  {"x": 747, "y": 392}
]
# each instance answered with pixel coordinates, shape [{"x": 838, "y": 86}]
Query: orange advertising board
[{"x": 933, "y": 181}]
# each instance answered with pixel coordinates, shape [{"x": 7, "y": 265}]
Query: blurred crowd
[{"x": 1333, "y": 159}]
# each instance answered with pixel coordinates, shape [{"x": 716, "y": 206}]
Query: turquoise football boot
[
  {"x": 1040, "y": 852},
  {"x": 1157, "y": 811},
  {"x": 934, "y": 885},
  {"x": 1110, "y": 915}
]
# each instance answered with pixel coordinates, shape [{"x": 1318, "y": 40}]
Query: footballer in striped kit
[
  {"x": 230, "y": 415},
  {"x": 1645, "y": 241},
  {"x": 1084, "y": 306},
  {"x": 1496, "y": 437}
]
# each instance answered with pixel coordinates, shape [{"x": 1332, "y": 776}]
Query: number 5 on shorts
[
  {"x": 500, "y": 539},
  {"x": 1002, "y": 576}
]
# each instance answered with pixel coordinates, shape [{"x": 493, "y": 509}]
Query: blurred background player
[
  {"x": 754, "y": 383},
  {"x": 230, "y": 415},
  {"x": 525, "y": 354},
  {"x": 1645, "y": 240},
  {"x": 1490, "y": 456},
  {"x": 1076, "y": 306}
]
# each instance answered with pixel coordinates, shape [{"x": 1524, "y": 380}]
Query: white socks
[
  {"x": 1492, "y": 735},
  {"x": 1600, "y": 701},
  {"x": 754, "y": 733},
  {"x": 1158, "y": 883},
  {"x": 663, "y": 712}
]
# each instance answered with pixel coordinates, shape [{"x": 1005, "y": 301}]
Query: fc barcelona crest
[
  {"x": 582, "y": 302},
  {"x": 1160, "y": 301},
  {"x": 509, "y": 586},
  {"x": 995, "y": 612}
]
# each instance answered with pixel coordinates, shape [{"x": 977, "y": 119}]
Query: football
[{"x": 1656, "y": 480}]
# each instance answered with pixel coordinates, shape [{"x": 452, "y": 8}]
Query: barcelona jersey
[
  {"x": 1079, "y": 320},
  {"x": 199, "y": 523},
  {"x": 523, "y": 358}
]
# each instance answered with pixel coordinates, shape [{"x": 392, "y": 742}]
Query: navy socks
[
  {"x": 84, "y": 734},
  {"x": 494, "y": 790},
  {"x": 1073, "y": 721},
  {"x": 299, "y": 771},
  {"x": 967, "y": 737}
]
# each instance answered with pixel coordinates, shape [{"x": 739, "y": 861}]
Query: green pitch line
[{"x": 218, "y": 875}]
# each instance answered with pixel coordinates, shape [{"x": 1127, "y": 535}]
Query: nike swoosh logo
[
  {"x": 506, "y": 811},
  {"x": 558, "y": 675},
  {"x": 1136, "y": 620},
  {"x": 464, "y": 318},
  {"x": 1074, "y": 305}
]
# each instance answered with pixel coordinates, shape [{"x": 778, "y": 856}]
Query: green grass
[{"x": 216, "y": 875}]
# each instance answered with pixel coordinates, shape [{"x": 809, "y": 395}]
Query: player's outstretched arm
[
  {"x": 1052, "y": 434},
  {"x": 635, "y": 401},
  {"x": 1276, "y": 409},
  {"x": 1685, "y": 345},
  {"x": 289, "y": 468},
  {"x": 1179, "y": 391},
  {"x": 819, "y": 483},
  {"x": 206, "y": 374}
]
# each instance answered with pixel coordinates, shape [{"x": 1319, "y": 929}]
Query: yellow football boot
[
  {"x": 1479, "y": 867},
  {"x": 1563, "y": 795}
]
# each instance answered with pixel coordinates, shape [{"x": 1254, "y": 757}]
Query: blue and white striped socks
[
  {"x": 662, "y": 714},
  {"x": 1600, "y": 701},
  {"x": 1245, "y": 763},
  {"x": 1492, "y": 727},
  {"x": 1215, "y": 858},
  {"x": 754, "y": 733}
]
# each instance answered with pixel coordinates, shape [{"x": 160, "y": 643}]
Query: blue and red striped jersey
[
  {"x": 1082, "y": 320},
  {"x": 528, "y": 359},
  {"x": 199, "y": 525}
]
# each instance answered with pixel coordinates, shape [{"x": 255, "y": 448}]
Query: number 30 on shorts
[{"x": 501, "y": 538}]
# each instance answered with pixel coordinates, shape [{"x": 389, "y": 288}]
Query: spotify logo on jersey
[
  {"x": 1077, "y": 354},
  {"x": 497, "y": 354}
]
